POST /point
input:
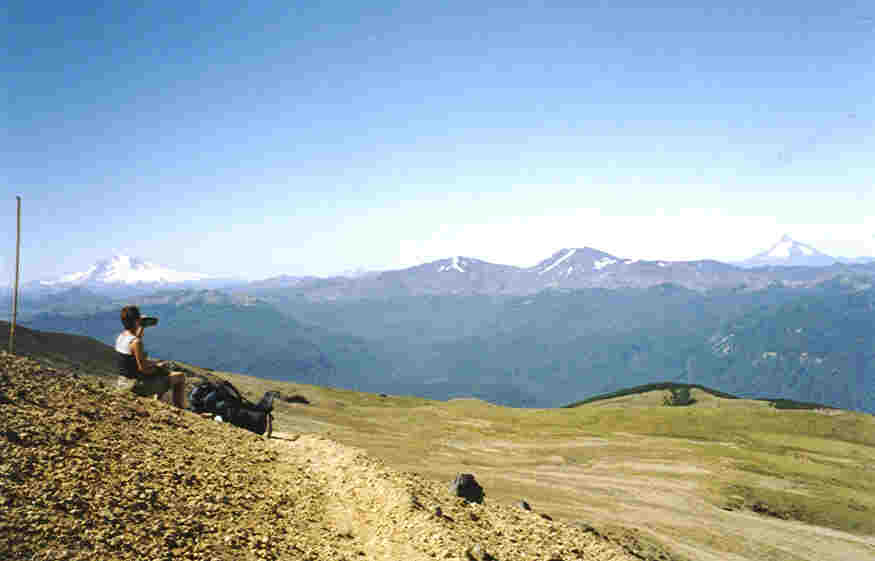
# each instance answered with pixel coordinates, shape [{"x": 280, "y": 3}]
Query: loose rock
[{"x": 466, "y": 486}]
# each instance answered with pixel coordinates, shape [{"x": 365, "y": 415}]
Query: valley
[{"x": 813, "y": 343}]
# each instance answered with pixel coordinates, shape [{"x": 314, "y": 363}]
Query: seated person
[{"x": 138, "y": 374}]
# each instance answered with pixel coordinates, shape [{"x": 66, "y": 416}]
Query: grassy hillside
[
  {"x": 666, "y": 389},
  {"x": 719, "y": 478},
  {"x": 646, "y": 389},
  {"x": 62, "y": 350}
]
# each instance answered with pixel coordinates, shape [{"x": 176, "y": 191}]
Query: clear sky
[{"x": 286, "y": 138}]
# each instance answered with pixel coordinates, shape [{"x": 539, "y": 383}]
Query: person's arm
[{"x": 143, "y": 365}]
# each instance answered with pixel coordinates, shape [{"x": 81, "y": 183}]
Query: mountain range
[
  {"x": 807, "y": 343},
  {"x": 578, "y": 323},
  {"x": 787, "y": 261}
]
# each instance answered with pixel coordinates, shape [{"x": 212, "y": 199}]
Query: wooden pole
[{"x": 17, "y": 268}]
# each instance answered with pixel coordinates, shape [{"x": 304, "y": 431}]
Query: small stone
[{"x": 478, "y": 553}]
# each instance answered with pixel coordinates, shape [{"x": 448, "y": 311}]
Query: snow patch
[
  {"x": 558, "y": 261},
  {"x": 602, "y": 263},
  {"x": 72, "y": 278},
  {"x": 661, "y": 264},
  {"x": 782, "y": 249},
  {"x": 453, "y": 265},
  {"x": 806, "y": 250},
  {"x": 570, "y": 269},
  {"x": 629, "y": 262}
]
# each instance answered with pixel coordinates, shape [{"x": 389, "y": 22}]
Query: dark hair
[{"x": 130, "y": 315}]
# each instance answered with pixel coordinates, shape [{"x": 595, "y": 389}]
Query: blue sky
[{"x": 278, "y": 138}]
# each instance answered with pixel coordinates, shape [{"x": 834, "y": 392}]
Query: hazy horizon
[{"x": 297, "y": 139}]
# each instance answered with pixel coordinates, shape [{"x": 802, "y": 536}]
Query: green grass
[
  {"x": 807, "y": 465},
  {"x": 665, "y": 386},
  {"x": 826, "y": 456},
  {"x": 777, "y": 403}
]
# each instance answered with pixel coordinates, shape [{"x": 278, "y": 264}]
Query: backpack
[{"x": 224, "y": 399}]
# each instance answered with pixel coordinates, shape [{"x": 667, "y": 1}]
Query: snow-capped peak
[
  {"x": 788, "y": 251},
  {"x": 787, "y": 247},
  {"x": 122, "y": 270},
  {"x": 575, "y": 259}
]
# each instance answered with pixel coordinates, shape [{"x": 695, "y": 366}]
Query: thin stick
[{"x": 17, "y": 268}]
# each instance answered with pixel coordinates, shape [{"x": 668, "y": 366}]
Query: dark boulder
[{"x": 465, "y": 486}]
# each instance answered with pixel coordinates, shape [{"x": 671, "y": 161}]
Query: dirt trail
[{"x": 390, "y": 515}]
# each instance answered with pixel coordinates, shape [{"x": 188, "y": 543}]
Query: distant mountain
[
  {"x": 281, "y": 281},
  {"x": 123, "y": 274},
  {"x": 563, "y": 262},
  {"x": 453, "y": 275},
  {"x": 856, "y": 260},
  {"x": 123, "y": 277},
  {"x": 70, "y": 301},
  {"x": 357, "y": 273},
  {"x": 567, "y": 269},
  {"x": 122, "y": 269},
  {"x": 788, "y": 252}
]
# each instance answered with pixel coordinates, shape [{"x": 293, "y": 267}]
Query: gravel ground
[{"x": 90, "y": 473}]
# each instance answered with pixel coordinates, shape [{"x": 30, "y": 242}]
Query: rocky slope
[{"x": 88, "y": 473}]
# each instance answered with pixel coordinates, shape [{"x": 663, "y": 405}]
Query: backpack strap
[{"x": 234, "y": 392}]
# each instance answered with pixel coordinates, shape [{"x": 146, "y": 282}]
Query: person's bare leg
[{"x": 177, "y": 380}]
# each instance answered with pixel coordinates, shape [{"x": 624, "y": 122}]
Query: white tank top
[{"x": 123, "y": 342}]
